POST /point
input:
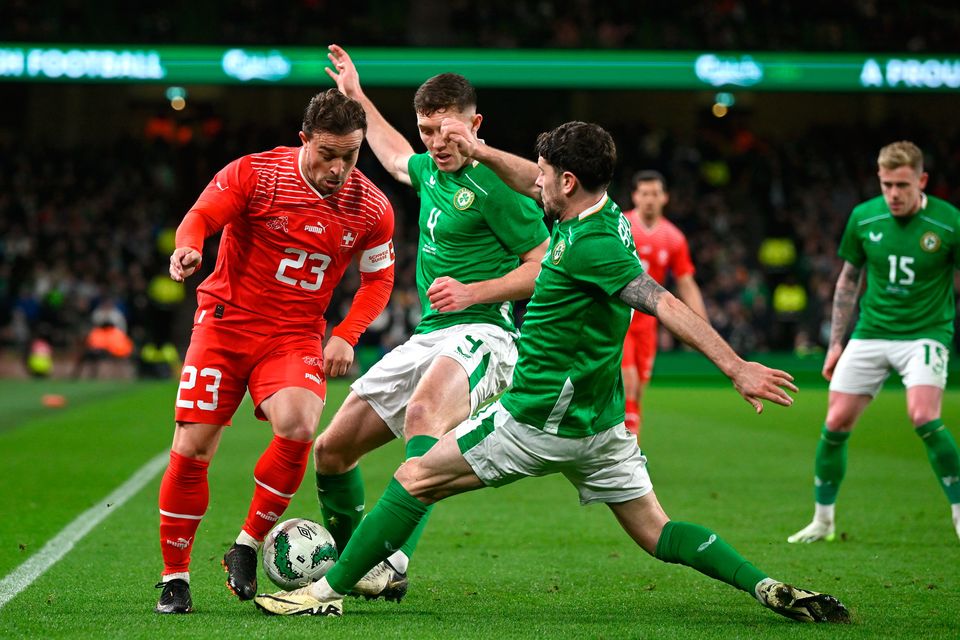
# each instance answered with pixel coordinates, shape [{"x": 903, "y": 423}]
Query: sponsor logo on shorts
[
  {"x": 315, "y": 378},
  {"x": 464, "y": 198},
  {"x": 179, "y": 543},
  {"x": 269, "y": 515},
  {"x": 279, "y": 223},
  {"x": 930, "y": 242},
  {"x": 315, "y": 228}
]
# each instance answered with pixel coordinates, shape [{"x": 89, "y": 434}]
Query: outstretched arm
[
  {"x": 391, "y": 148},
  {"x": 752, "y": 380},
  {"x": 518, "y": 173},
  {"x": 844, "y": 303},
  {"x": 447, "y": 294}
]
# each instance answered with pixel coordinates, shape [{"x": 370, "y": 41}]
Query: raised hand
[{"x": 344, "y": 73}]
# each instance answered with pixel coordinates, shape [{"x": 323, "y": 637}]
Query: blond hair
[{"x": 901, "y": 154}]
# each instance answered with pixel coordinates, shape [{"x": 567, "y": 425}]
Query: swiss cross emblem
[{"x": 348, "y": 239}]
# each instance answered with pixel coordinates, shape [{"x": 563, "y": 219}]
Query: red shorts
[
  {"x": 224, "y": 360},
  {"x": 639, "y": 352}
]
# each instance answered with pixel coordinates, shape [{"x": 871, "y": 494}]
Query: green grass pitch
[{"x": 524, "y": 561}]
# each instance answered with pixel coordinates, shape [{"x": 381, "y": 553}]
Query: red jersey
[
  {"x": 660, "y": 248},
  {"x": 284, "y": 246}
]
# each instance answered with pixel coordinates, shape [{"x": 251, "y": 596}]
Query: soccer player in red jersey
[
  {"x": 293, "y": 219},
  {"x": 661, "y": 247}
]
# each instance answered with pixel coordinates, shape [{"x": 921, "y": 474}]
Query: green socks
[
  {"x": 341, "y": 503},
  {"x": 388, "y": 525},
  {"x": 417, "y": 446},
  {"x": 943, "y": 455},
  {"x": 830, "y": 466},
  {"x": 702, "y": 549}
]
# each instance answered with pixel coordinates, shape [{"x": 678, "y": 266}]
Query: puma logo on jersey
[
  {"x": 315, "y": 228},
  {"x": 876, "y": 236},
  {"x": 219, "y": 186}
]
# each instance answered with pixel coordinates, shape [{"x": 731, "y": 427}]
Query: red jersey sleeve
[
  {"x": 225, "y": 198},
  {"x": 376, "y": 281}
]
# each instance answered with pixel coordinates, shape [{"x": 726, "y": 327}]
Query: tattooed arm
[
  {"x": 844, "y": 303},
  {"x": 752, "y": 380}
]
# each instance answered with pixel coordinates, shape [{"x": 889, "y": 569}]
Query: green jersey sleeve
[
  {"x": 515, "y": 219},
  {"x": 851, "y": 246},
  {"x": 604, "y": 261}
]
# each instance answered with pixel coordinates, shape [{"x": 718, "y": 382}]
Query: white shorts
[
  {"x": 865, "y": 364},
  {"x": 486, "y": 352},
  {"x": 605, "y": 467}
]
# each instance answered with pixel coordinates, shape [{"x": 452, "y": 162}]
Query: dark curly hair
[{"x": 584, "y": 149}]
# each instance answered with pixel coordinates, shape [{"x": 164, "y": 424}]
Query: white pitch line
[{"x": 35, "y": 566}]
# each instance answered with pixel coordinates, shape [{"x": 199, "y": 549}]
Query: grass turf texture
[{"x": 524, "y": 561}]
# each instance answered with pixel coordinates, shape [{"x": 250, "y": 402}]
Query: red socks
[
  {"x": 184, "y": 496},
  {"x": 277, "y": 475}
]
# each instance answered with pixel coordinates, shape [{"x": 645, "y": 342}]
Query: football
[{"x": 297, "y": 552}]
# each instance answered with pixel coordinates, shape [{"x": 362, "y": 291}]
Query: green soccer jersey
[
  {"x": 567, "y": 380},
  {"x": 472, "y": 228},
  {"x": 909, "y": 264}
]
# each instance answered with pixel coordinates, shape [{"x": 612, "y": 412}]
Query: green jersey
[
  {"x": 909, "y": 264},
  {"x": 567, "y": 380},
  {"x": 472, "y": 228}
]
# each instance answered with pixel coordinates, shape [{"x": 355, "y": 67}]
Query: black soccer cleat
[
  {"x": 240, "y": 563},
  {"x": 175, "y": 597},
  {"x": 800, "y": 604}
]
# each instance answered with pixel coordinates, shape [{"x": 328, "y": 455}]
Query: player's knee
[
  {"x": 839, "y": 420},
  {"x": 416, "y": 481},
  {"x": 922, "y": 415},
  {"x": 418, "y": 421},
  {"x": 329, "y": 457}
]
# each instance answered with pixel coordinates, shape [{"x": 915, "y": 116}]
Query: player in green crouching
[
  {"x": 565, "y": 410},
  {"x": 480, "y": 246},
  {"x": 908, "y": 244}
]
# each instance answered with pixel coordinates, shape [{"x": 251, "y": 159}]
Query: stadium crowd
[
  {"x": 815, "y": 25},
  {"x": 93, "y": 229}
]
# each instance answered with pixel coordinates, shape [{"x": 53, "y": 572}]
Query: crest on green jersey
[
  {"x": 464, "y": 198},
  {"x": 930, "y": 242},
  {"x": 558, "y": 252}
]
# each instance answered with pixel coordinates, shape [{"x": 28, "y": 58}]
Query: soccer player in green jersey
[
  {"x": 565, "y": 410},
  {"x": 480, "y": 246},
  {"x": 907, "y": 245}
]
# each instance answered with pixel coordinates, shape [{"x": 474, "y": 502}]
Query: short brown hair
[
  {"x": 333, "y": 112},
  {"x": 445, "y": 91},
  {"x": 901, "y": 154},
  {"x": 648, "y": 175},
  {"x": 584, "y": 149}
]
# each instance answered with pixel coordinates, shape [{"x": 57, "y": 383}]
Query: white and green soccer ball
[{"x": 297, "y": 552}]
